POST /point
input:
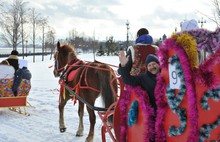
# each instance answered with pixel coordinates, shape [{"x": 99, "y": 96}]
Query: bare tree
[
  {"x": 43, "y": 23},
  {"x": 23, "y": 14},
  {"x": 50, "y": 41},
  {"x": 216, "y": 17},
  {"x": 34, "y": 19},
  {"x": 216, "y": 13},
  {"x": 11, "y": 22}
]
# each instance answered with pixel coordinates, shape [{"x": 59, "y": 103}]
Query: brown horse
[{"x": 90, "y": 80}]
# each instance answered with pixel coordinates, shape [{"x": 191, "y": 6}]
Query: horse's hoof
[{"x": 62, "y": 130}]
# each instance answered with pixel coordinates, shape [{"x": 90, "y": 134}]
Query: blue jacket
[
  {"x": 147, "y": 81},
  {"x": 20, "y": 74}
]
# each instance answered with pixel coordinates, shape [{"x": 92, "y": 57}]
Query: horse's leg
[
  {"x": 92, "y": 119},
  {"x": 61, "y": 111},
  {"x": 80, "y": 113}
]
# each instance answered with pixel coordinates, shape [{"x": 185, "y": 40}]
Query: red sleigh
[
  {"x": 188, "y": 112},
  {"x": 7, "y": 98}
]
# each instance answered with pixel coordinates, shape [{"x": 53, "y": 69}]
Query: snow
[{"x": 42, "y": 124}]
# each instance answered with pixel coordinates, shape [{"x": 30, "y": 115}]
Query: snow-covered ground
[{"x": 42, "y": 124}]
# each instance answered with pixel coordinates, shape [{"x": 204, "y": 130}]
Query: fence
[{"x": 5, "y": 52}]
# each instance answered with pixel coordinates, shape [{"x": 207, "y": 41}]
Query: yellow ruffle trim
[{"x": 190, "y": 46}]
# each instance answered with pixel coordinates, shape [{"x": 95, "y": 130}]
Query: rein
[
  {"x": 74, "y": 64},
  {"x": 56, "y": 69},
  {"x": 85, "y": 102}
]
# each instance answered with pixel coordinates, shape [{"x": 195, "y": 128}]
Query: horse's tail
[{"x": 108, "y": 85}]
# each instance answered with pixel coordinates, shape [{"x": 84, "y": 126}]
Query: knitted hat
[
  {"x": 151, "y": 58},
  {"x": 14, "y": 52}
]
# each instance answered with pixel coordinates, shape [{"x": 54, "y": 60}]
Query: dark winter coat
[
  {"x": 147, "y": 81},
  {"x": 13, "y": 61},
  {"x": 20, "y": 74}
]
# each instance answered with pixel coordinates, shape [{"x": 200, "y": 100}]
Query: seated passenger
[
  {"x": 21, "y": 73},
  {"x": 13, "y": 59},
  {"x": 138, "y": 52},
  {"x": 141, "y": 34}
]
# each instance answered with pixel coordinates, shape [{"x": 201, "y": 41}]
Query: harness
[{"x": 69, "y": 73}]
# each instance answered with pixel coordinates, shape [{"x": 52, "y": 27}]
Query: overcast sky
[{"x": 104, "y": 18}]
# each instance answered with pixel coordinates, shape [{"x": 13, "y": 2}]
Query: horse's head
[{"x": 62, "y": 56}]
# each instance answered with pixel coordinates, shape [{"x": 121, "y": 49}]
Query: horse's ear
[{"x": 58, "y": 45}]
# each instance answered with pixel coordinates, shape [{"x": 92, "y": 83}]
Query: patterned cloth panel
[{"x": 6, "y": 88}]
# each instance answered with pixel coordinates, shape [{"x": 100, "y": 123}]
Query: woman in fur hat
[{"x": 13, "y": 59}]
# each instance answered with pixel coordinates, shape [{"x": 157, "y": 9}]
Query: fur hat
[
  {"x": 14, "y": 52},
  {"x": 151, "y": 58}
]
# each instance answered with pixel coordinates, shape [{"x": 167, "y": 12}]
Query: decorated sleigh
[
  {"x": 7, "y": 98},
  {"x": 187, "y": 94}
]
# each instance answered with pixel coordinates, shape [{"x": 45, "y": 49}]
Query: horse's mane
[{"x": 66, "y": 48}]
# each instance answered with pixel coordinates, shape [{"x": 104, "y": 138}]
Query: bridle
[{"x": 57, "y": 70}]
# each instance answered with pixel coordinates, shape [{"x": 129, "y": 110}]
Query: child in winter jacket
[{"x": 21, "y": 73}]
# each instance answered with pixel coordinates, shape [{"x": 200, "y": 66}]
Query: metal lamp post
[
  {"x": 127, "y": 24},
  {"x": 202, "y": 21}
]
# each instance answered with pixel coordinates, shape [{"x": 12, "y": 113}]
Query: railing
[{"x": 26, "y": 54}]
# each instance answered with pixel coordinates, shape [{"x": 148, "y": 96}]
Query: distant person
[
  {"x": 138, "y": 52},
  {"x": 13, "y": 59},
  {"x": 21, "y": 73}
]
